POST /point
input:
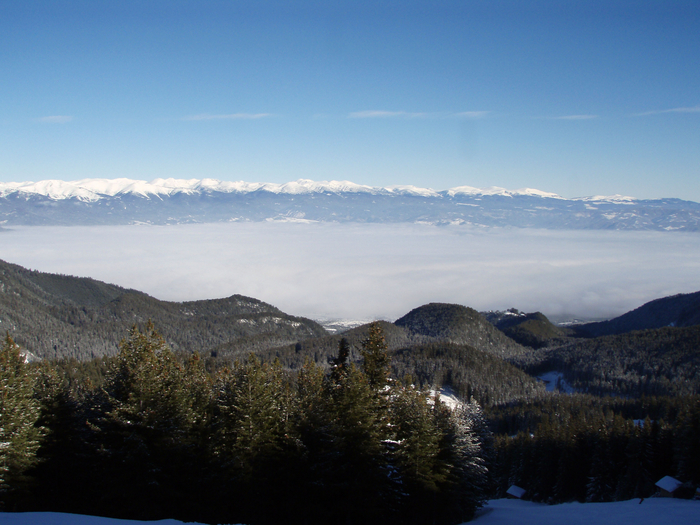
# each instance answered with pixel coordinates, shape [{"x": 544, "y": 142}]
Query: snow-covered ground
[
  {"x": 555, "y": 381},
  {"x": 654, "y": 511},
  {"x": 57, "y": 518}
]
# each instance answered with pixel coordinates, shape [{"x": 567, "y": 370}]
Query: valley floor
[{"x": 497, "y": 512}]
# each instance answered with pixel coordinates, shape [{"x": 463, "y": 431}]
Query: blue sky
[{"x": 577, "y": 98}]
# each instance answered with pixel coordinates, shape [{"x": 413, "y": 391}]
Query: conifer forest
[{"x": 418, "y": 421}]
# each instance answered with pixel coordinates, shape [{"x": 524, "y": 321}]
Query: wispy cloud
[
  {"x": 55, "y": 119},
  {"x": 232, "y": 116},
  {"x": 472, "y": 114},
  {"x": 570, "y": 117},
  {"x": 693, "y": 109},
  {"x": 382, "y": 114},
  {"x": 411, "y": 115}
]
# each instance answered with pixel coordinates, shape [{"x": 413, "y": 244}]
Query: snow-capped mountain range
[{"x": 174, "y": 201}]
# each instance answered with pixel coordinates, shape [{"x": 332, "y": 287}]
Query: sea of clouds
[{"x": 372, "y": 271}]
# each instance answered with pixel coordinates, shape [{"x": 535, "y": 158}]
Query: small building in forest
[
  {"x": 667, "y": 486},
  {"x": 515, "y": 492}
]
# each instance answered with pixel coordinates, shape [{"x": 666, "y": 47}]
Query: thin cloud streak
[
  {"x": 232, "y": 116},
  {"x": 355, "y": 271},
  {"x": 571, "y": 117},
  {"x": 382, "y": 114},
  {"x": 56, "y": 119},
  {"x": 694, "y": 109},
  {"x": 412, "y": 115},
  {"x": 472, "y": 114}
]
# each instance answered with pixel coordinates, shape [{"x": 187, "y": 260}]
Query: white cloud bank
[{"x": 372, "y": 271}]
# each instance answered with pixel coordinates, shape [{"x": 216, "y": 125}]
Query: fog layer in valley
[{"x": 352, "y": 271}]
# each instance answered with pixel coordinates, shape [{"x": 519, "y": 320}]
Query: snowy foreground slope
[
  {"x": 56, "y": 518},
  {"x": 653, "y": 511}
]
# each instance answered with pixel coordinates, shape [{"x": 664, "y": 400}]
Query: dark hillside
[
  {"x": 57, "y": 316},
  {"x": 533, "y": 329},
  {"x": 468, "y": 371},
  {"x": 677, "y": 310},
  {"x": 458, "y": 324},
  {"x": 657, "y": 362}
]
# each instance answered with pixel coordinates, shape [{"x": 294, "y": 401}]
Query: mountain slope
[
  {"x": 172, "y": 201},
  {"x": 677, "y": 310},
  {"x": 533, "y": 329},
  {"x": 459, "y": 325},
  {"x": 62, "y": 316},
  {"x": 662, "y": 361}
]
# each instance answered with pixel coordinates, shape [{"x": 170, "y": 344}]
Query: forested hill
[
  {"x": 677, "y": 310},
  {"x": 58, "y": 316},
  {"x": 459, "y": 324}
]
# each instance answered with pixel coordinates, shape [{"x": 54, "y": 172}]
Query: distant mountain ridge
[{"x": 177, "y": 201}]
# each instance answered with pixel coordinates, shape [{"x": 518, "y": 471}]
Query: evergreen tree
[
  {"x": 339, "y": 365},
  {"x": 688, "y": 443},
  {"x": 20, "y": 436},
  {"x": 416, "y": 453},
  {"x": 251, "y": 438},
  {"x": 65, "y": 475},
  {"x": 375, "y": 360},
  {"x": 461, "y": 449},
  {"x": 601, "y": 480},
  {"x": 360, "y": 481},
  {"x": 145, "y": 429}
]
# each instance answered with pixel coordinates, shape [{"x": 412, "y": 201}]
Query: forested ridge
[
  {"x": 58, "y": 316},
  {"x": 285, "y": 423}
]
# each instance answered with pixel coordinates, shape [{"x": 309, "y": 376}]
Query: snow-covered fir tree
[{"x": 20, "y": 436}]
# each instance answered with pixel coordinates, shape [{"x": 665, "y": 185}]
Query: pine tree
[
  {"x": 145, "y": 428},
  {"x": 359, "y": 481},
  {"x": 375, "y": 360},
  {"x": 339, "y": 365},
  {"x": 461, "y": 449},
  {"x": 688, "y": 442},
  {"x": 20, "y": 436},
  {"x": 416, "y": 453},
  {"x": 251, "y": 437}
]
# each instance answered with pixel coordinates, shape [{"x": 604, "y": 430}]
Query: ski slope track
[{"x": 184, "y": 201}]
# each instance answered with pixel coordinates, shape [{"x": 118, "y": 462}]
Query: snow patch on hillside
[{"x": 555, "y": 382}]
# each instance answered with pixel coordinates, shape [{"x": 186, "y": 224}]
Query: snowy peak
[
  {"x": 611, "y": 199},
  {"x": 177, "y": 201},
  {"x": 495, "y": 190},
  {"x": 90, "y": 190}
]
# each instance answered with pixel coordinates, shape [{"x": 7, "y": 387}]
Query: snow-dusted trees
[
  {"x": 255, "y": 444},
  {"x": 19, "y": 412},
  {"x": 147, "y": 426}
]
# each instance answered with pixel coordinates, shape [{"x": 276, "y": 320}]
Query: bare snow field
[
  {"x": 370, "y": 271},
  {"x": 654, "y": 511}
]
